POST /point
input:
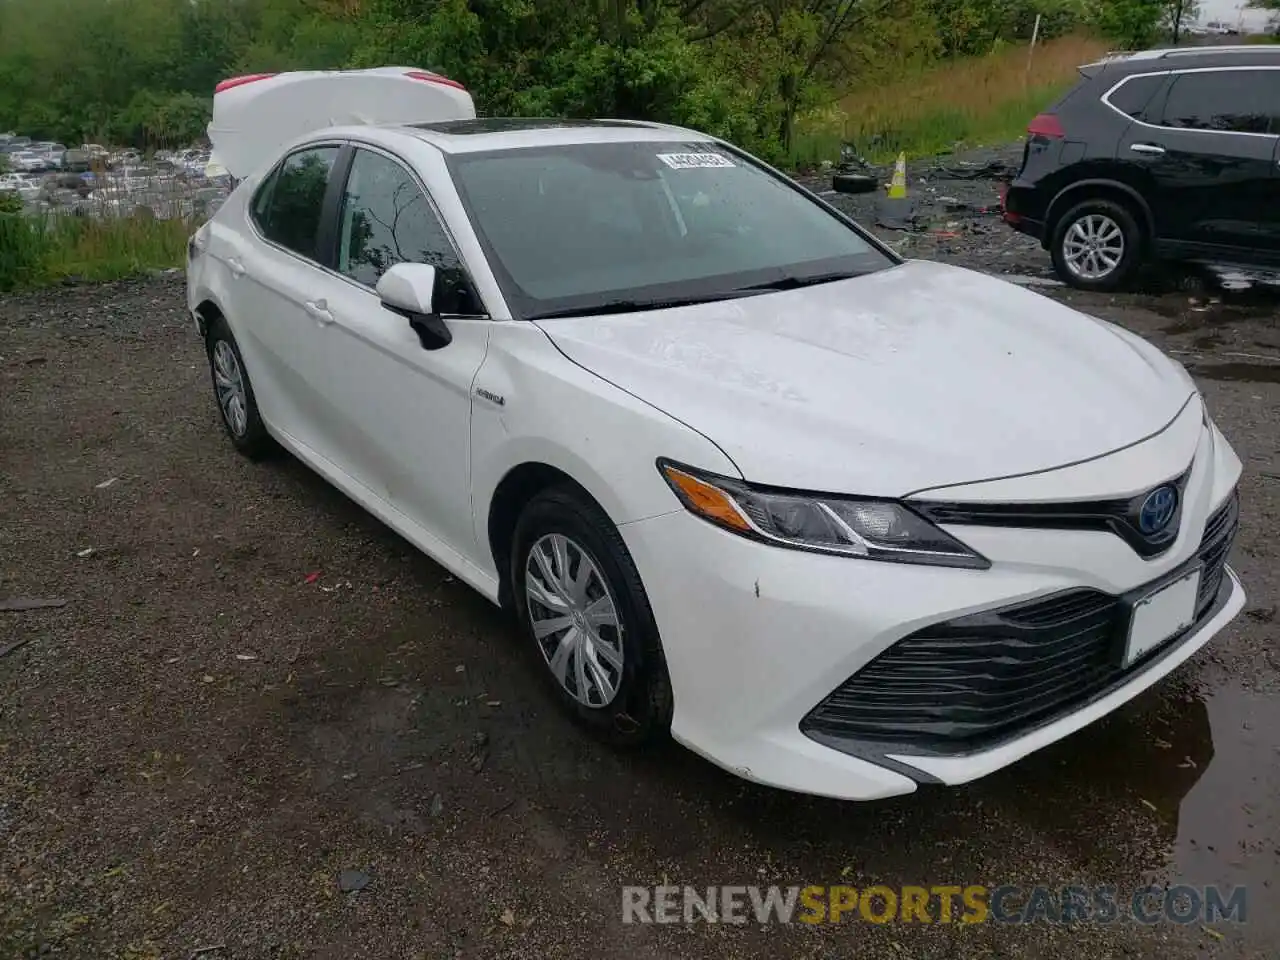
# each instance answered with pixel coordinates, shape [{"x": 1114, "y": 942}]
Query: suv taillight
[{"x": 1046, "y": 125}]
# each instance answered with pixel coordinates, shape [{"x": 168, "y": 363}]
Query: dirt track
[{"x": 206, "y": 735}]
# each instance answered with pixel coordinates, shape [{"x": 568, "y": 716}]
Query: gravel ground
[{"x": 257, "y": 698}]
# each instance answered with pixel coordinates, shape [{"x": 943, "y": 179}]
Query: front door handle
[
  {"x": 319, "y": 311},
  {"x": 1150, "y": 148}
]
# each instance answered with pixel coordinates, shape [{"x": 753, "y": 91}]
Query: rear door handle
[
  {"x": 319, "y": 311},
  {"x": 1150, "y": 148},
  {"x": 236, "y": 267}
]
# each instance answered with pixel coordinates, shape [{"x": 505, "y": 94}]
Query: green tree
[
  {"x": 143, "y": 71},
  {"x": 1133, "y": 23}
]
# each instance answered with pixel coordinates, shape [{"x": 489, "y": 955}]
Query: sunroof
[{"x": 512, "y": 125}]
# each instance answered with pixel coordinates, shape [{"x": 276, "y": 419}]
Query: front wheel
[
  {"x": 584, "y": 612},
  {"x": 1097, "y": 245}
]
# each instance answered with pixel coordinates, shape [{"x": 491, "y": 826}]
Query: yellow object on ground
[{"x": 898, "y": 185}]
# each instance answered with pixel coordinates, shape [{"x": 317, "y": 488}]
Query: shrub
[{"x": 22, "y": 245}]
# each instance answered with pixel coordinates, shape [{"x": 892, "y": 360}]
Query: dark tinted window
[
  {"x": 1242, "y": 101},
  {"x": 287, "y": 208},
  {"x": 261, "y": 203},
  {"x": 1134, "y": 94},
  {"x": 387, "y": 219}
]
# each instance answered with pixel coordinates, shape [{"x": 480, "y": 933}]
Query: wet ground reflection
[{"x": 1229, "y": 821}]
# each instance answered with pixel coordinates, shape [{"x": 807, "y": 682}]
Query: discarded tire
[{"x": 854, "y": 183}]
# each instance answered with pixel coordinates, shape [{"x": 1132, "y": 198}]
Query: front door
[
  {"x": 404, "y": 415},
  {"x": 1209, "y": 160}
]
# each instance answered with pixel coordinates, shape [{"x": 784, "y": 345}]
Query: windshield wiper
[
  {"x": 795, "y": 283},
  {"x": 635, "y": 306}
]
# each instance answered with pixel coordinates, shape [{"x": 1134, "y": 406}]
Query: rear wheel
[
  {"x": 1097, "y": 245},
  {"x": 234, "y": 393}
]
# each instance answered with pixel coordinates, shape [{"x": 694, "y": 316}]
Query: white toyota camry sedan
[{"x": 840, "y": 522}]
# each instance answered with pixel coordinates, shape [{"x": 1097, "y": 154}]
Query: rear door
[
  {"x": 1206, "y": 151},
  {"x": 275, "y": 268}
]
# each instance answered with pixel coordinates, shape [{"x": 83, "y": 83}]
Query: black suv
[{"x": 1171, "y": 154}]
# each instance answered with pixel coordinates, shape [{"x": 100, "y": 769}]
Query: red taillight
[
  {"x": 435, "y": 78},
  {"x": 241, "y": 81},
  {"x": 1046, "y": 125}
]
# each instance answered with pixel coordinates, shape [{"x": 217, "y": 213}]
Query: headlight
[{"x": 848, "y": 526}]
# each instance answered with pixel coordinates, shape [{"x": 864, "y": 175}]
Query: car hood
[{"x": 920, "y": 376}]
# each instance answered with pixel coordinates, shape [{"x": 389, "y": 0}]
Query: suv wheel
[{"x": 1097, "y": 245}]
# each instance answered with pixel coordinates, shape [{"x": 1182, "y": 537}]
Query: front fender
[{"x": 557, "y": 413}]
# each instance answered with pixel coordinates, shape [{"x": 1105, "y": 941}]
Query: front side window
[
  {"x": 386, "y": 219},
  {"x": 605, "y": 225},
  {"x": 289, "y": 205},
  {"x": 1230, "y": 101}
]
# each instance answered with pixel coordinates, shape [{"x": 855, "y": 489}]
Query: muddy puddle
[{"x": 1228, "y": 821}]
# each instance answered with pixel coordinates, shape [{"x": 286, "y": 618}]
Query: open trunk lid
[{"x": 254, "y": 115}]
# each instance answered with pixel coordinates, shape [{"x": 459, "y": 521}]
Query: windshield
[{"x": 611, "y": 227}]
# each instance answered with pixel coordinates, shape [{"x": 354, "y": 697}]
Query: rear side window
[
  {"x": 1133, "y": 96},
  {"x": 1231, "y": 101},
  {"x": 288, "y": 207}
]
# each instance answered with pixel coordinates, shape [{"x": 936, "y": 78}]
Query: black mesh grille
[{"x": 964, "y": 684}]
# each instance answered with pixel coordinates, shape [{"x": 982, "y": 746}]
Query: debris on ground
[
  {"x": 16, "y": 645},
  {"x": 14, "y": 604},
  {"x": 479, "y": 751},
  {"x": 352, "y": 881}
]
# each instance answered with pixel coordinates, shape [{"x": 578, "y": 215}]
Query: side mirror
[{"x": 408, "y": 289}]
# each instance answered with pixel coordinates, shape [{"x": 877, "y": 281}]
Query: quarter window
[
  {"x": 1134, "y": 94},
  {"x": 289, "y": 205},
  {"x": 387, "y": 219},
  {"x": 1231, "y": 101}
]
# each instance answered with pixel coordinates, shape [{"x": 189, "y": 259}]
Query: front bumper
[
  {"x": 972, "y": 683},
  {"x": 757, "y": 637}
]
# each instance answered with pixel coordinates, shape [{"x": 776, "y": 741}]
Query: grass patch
[
  {"x": 35, "y": 250},
  {"x": 928, "y": 110},
  {"x": 112, "y": 248}
]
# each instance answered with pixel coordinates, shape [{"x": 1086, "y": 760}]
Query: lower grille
[{"x": 965, "y": 684}]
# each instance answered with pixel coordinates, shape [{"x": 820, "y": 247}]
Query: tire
[
  {"x": 1110, "y": 222},
  {"x": 248, "y": 433},
  {"x": 854, "y": 183},
  {"x": 639, "y": 711}
]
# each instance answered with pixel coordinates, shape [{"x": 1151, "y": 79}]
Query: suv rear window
[
  {"x": 1236, "y": 101},
  {"x": 1133, "y": 95}
]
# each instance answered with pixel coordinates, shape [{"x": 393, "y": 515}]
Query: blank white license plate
[{"x": 1161, "y": 615}]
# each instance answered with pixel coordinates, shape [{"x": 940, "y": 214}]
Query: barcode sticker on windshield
[{"x": 694, "y": 161}]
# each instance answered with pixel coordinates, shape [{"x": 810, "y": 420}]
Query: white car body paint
[
  {"x": 922, "y": 381},
  {"x": 849, "y": 386}
]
